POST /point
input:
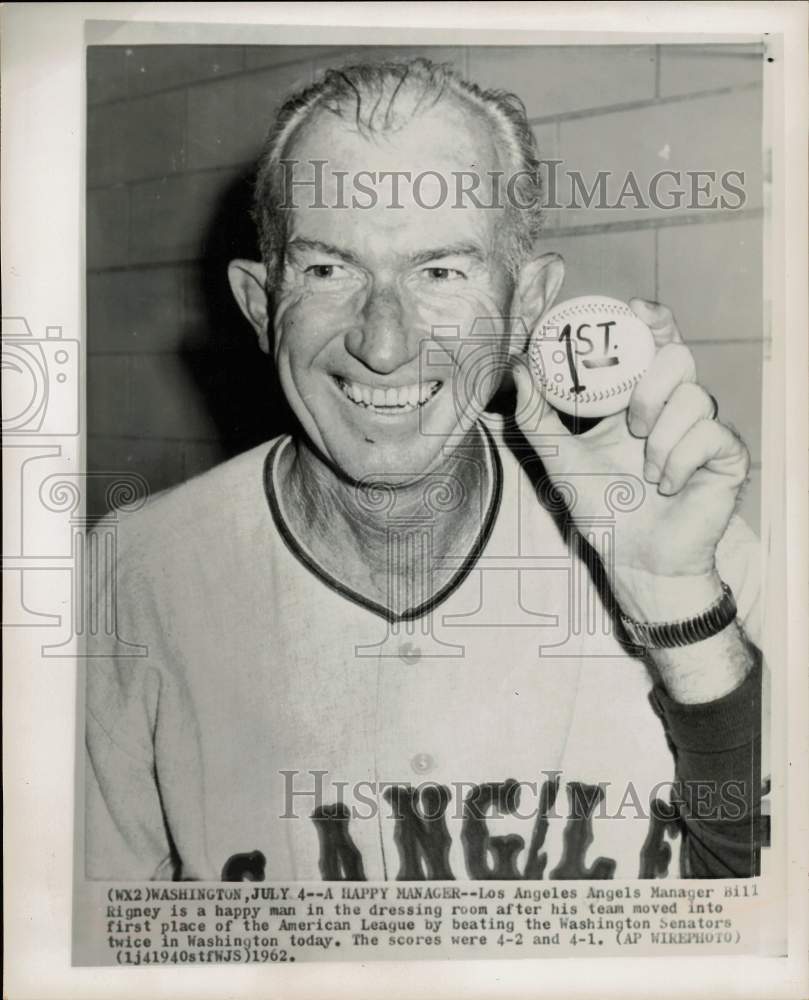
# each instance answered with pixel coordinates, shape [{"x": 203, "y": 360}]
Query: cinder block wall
[{"x": 175, "y": 380}]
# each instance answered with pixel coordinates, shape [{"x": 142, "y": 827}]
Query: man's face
[{"x": 374, "y": 317}]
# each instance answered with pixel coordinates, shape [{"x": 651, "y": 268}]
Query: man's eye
[
  {"x": 444, "y": 274},
  {"x": 322, "y": 270}
]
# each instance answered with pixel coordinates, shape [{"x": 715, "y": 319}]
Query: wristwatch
[{"x": 686, "y": 631}]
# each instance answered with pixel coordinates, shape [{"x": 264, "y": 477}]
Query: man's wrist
[
  {"x": 649, "y": 597},
  {"x": 683, "y": 631},
  {"x": 688, "y": 626},
  {"x": 696, "y": 672}
]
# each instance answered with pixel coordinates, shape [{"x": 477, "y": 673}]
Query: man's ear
[
  {"x": 248, "y": 279},
  {"x": 538, "y": 284}
]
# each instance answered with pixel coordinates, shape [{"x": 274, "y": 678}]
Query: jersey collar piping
[{"x": 306, "y": 558}]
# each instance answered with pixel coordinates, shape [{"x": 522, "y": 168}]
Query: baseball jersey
[{"x": 257, "y": 719}]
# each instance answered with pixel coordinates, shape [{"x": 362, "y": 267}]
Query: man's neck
[{"x": 398, "y": 545}]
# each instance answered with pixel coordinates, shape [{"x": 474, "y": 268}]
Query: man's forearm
[
  {"x": 709, "y": 701},
  {"x": 707, "y": 670},
  {"x": 702, "y": 671}
]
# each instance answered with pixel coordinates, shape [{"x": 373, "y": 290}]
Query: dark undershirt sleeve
[{"x": 717, "y": 749}]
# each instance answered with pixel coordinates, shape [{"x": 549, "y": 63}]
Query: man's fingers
[
  {"x": 687, "y": 405},
  {"x": 707, "y": 444},
  {"x": 659, "y": 319},
  {"x": 671, "y": 366}
]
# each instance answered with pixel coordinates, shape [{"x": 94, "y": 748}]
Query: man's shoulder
[{"x": 210, "y": 506}]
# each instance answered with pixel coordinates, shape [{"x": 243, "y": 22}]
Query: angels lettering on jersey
[{"x": 560, "y": 843}]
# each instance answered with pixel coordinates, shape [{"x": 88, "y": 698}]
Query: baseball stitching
[
  {"x": 589, "y": 397},
  {"x": 570, "y": 311},
  {"x": 586, "y": 397}
]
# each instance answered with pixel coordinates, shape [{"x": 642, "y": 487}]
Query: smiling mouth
[{"x": 388, "y": 400}]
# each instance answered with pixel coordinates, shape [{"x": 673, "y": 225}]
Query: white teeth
[{"x": 390, "y": 400}]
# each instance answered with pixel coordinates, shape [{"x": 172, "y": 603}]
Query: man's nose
[{"x": 380, "y": 338}]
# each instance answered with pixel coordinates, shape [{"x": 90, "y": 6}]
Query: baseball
[{"x": 588, "y": 354}]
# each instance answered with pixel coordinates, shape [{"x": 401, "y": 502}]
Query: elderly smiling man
[{"x": 378, "y": 649}]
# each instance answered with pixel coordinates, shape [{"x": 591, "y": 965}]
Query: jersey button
[
  {"x": 422, "y": 763},
  {"x": 409, "y": 652}
]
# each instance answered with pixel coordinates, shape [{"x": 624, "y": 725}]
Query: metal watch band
[{"x": 667, "y": 635}]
